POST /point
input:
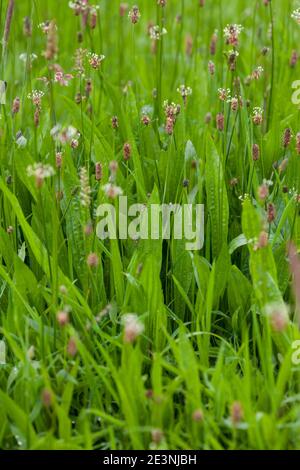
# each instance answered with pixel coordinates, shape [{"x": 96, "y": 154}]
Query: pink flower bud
[
  {"x": 98, "y": 171},
  {"x": 126, "y": 151},
  {"x": 16, "y": 105}
]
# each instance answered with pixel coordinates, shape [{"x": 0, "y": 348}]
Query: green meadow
[{"x": 139, "y": 343}]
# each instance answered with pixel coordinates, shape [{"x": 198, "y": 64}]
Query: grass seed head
[
  {"x": 114, "y": 122},
  {"x": 232, "y": 33},
  {"x": 63, "y": 289},
  {"x": 278, "y": 315},
  {"x": 88, "y": 87},
  {"x": 287, "y": 137},
  {"x": 211, "y": 67},
  {"x": 271, "y": 212},
  {"x": 184, "y": 91},
  {"x": 233, "y": 182},
  {"x": 74, "y": 143},
  {"x": 134, "y": 14},
  {"x": 232, "y": 56},
  {"x": 98, "y": 171},
  {"x": 16, "y": 106},
  {"x": 198, "y": 416},
  {"x": 257, "y": 73},
  {"x": 52, "y": 47},
  {"x": 62, "y": 78},
  {"x": 36, "y": 97},
  {"x": 113, "y": 168},
  {"x": 236, "y": 413},
  {"x": 156, "y": 32},
  {"x": 27, "y": 27},
  {"x": 40, "y": 171},
  {"x": 298, "y": 143},
  {"x": 133, "y": 327},
  {"x": 47, "y": 398},
  {"x": 157, "y": 436},
  {"x": 296, "y": 15},
  {"x": 79, "y": 57},
  {"x": 95, "y": 60},
  {"x": 220, "y": 122},
  {"x": 88, "y": 229},
  {"x": 263, "y": 192},
  {"x": 208, "y": 118},
  {"x": 62, "y": 318},
  {"x": 189, "y": 45},
  {"x": 93, "y": 260},
  {"x": 257, "y": 116},
  {"x": 262, "y": 242},
  {"x": 126, "y": 151},
  {"x": 58, "y": 159},
  {"x": 234, "y": 103},
  {"x": 294, "y": 59},
  {"x": 85, "y": 189},
  {"x": 255, "y": 152},
  {"x": 93, "y": 18},
  {"x": 145, "y": 120},
  {"x": 72, "y": 347},
  {"x": 224, "y": 94},
  {"x": 213, "y": 43},
  {"x": 123, "y": 9},
  {"x": 8, "y": 19},
  {"x": 112, "y": 191}
]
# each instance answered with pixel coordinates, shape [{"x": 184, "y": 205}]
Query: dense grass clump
[{"x": 140, "y": 343}]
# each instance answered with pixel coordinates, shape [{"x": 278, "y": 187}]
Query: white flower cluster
[
  {"x": 156, "y": 32},
  {"x": 133, "y": 327},
  {"x": 257, "y": 73},
  {"x": 112, "y": 191},
  {"x": 257, "y": 111},
  {"x": 95, "y": 59},
  {"x": 224, "y": 94},
  {"x": 232, "y": 32},
  {"x": 24, "y": 57},
  {"x": 40, "y": 171},
  {"x": 233, "y": 52},
  {"x": 36, "y": 97},
  {"x": 233, "y": 29},
  {"x": 296, "y": 15},
  {"x": 184, "y": 91}
]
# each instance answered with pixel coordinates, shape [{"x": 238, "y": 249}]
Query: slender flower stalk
[
  {"x": 52, "y": 47},
  {"x": 272, "y": 67},
  {"x": 159, "y": 61},
  {"x": 7, "y": 26},
  {"x": 85, "y": 190},
  {"x": 179, "y": 41}
]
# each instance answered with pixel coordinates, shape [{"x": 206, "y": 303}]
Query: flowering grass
[{"x": 139, "y": 344}]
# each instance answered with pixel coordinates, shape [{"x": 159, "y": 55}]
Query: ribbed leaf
[
  {"x": 217, "y": 202},
  {"x": 262, "y": 264}
]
